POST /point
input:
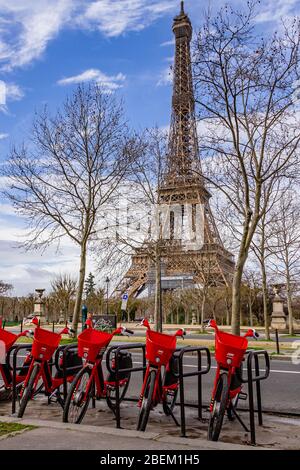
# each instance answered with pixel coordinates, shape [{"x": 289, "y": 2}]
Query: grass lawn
[{"x": 7, "y": 428}]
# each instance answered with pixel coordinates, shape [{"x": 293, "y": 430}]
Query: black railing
[
  {"x": 15, "y": 368},
  {"x": 66, "y": 371},
  {"x": 253, "y": 364},
  {"x": 179, "y": 354},
  {"x": 117, "y": 371}
]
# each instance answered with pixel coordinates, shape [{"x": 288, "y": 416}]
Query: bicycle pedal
[{"x": 243, "y": 396}]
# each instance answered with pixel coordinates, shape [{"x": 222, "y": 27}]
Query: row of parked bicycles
[{"x": 87, "y": 381}]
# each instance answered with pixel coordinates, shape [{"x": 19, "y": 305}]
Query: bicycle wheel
[
  {"x": 78, "y": 397},
  {"x": 27, "y": 392},
  {"x": 147, "y": 401},
  {"x": 219, "y": 408},
  {"x": 169, "y": 401},
  {"x": 111, "y": 394}
]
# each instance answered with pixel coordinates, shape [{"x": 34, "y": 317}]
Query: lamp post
[{"x": 107, "y": 284}]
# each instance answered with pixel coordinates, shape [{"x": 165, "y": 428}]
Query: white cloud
[
  {"x": 108, "y": 82},
  {"x": 3, "y": 136},
  {"x": 27, "y": 27},
  {"x": 9, "y": 92},
  {"x": 113, "y": 17},
  {"x": 168, "y": 43},
  {"x": 166, "y": 77},
  {"x": 270, "y": 11}
]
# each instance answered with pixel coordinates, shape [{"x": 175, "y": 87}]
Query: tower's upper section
[{"x": 183, "y": 163}]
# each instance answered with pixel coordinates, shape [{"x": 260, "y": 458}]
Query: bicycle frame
[
  {"x": 230, "y": 370},
  {"x": 97, "y": 373},
  {"x": 50, "y": 383},
  {"x": 159, "y": 389}
]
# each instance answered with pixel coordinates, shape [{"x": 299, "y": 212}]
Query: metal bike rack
[
  {"x": 179, "y": 353},
  {"x": 117, "y": 371},
  {"x": 15, "y": 350},
  {"x": 253, "y": 363}
]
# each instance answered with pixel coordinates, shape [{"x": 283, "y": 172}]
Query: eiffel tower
[{"x": 183, "y": 198}]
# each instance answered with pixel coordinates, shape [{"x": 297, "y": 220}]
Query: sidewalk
[
  {"x": 98, "y": 431},
  {"x": 60, "y": 436}
]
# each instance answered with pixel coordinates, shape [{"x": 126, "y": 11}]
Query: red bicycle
[
  {"x": 7, "y": 340},
  {"x": 89, "y": 381},
  {"x": 229, "y": 352},
  {"x": 44, "y": 346},
  {"x": 159, "y": 353}
]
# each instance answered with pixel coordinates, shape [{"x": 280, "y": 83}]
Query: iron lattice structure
[{"x": 183, "y": 185}]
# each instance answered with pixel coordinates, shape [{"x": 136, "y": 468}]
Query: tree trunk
[
  {"x": 250, "y": 312},
  {"x": 248, "y": 232},
  {"x": 236, "y": 297},
  {"x": 77, "y": 306},
  {"x": 203, "y": 312},
  {"x": 158, "y": 304},
  {"x": 227, "y": 314},
  {"x": 289, "y": 303},
  {"x": 265, "y": 300}
]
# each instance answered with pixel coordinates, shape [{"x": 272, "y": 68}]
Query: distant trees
[
  {"x": 70, "y": 168},
  {"x": 245, "y": 88},
  {"x": 5, "y": 287},
  {"x": 63, "y": 292}
]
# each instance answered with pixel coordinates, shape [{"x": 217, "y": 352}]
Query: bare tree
[
  {"x": 246, "y": 91},
  {"x": 70, "y": 169},
  {"x": 64, "y": 289},
  {"x": 284, "y": 246}
]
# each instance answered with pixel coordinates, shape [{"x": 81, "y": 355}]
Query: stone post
[
  {"x": 39, "y": 306},
  {"x": 278, "y": 319}
]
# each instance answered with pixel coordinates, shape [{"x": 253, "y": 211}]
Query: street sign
[{"x": 124, "y": 301}]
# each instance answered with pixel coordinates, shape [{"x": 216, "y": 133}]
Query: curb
[{"x": 146, "y": 436}]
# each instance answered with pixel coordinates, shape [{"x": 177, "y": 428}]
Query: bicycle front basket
[
  {"x": 159, "y": 347},
  {"x": 91, "y": 343},
  {"x": 230, "y": 349},
  {"x": 44, "y": 344},
  {"x": 8, "y": 338}
]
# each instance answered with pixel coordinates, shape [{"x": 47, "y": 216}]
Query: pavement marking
[{"x": 262, "y": 370}]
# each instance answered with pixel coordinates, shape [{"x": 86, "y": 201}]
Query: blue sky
[{"x": 47, "y": 46}]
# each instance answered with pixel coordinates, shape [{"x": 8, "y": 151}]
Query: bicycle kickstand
[
  {"x": 240, "y": 420},
  {"x": 174, "y": 419}
]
